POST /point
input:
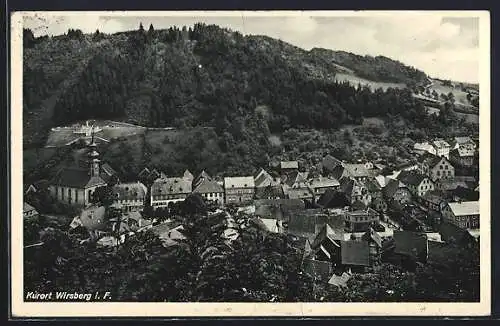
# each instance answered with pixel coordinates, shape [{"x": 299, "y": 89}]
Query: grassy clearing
[{"x": 355, "y": 80}]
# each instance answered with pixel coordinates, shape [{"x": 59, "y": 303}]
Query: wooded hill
[{"x": 201, "y": 75}]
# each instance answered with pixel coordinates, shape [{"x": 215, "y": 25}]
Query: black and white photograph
[{"x": 250, "y": 163}]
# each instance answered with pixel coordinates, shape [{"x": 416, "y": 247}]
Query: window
[
  {"x": 440, "y": 167},
  {"x": 446, "y": 167}
]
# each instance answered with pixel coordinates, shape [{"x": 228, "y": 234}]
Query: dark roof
[
  {"x": 451, "y": 233},
  {"x": 372, "y": 185},
  {"x": 76, "y": 178},
  {"x": 295, "y": 177},
  {"x": 411, "y": 178},
  {"x": 263, "y": 179},
  {"x": 337, "y": 172},
  {"x": 332, "y": 199},
  {"x": 355, "y": 253},
  {"x": 107, "y": 169},
  {"x": 202, "y": 176},
  {"x": 269, "y": 192},
  {"x": 27, "y": 207},
  {"x": 329, "y": 163},
  {"x": 327, "y": 233},
  {"x": 465, "y": 194},
  {"x": 434, "y": 196},
  {"x": 208, "y": 186},
  {"x": 171, "y": 186},
  {"x": 320, "y": 270},
  {"x": 429, "y": 159},
  {"x": 130, "y": 191},
  {"x": 307, "y": 222},
  {"x": 410, "y": 244}
]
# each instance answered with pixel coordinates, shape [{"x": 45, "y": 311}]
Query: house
[
  {"x": 463, "y": 214},
  {"x": 417, "y": 183},
  {"x": 425, "y": 147},
  {"x": 130, "y": 196},
  {"x": 202, "y": 176},
  {"x": 451, "y": 233},
  {"x": 75, "y": 186},
  {"x": 355, "y": 255},
  {"x": 136, "y": 222},
  {"x": 466, "y": 143},
  {"x": 321, "y": 184},
  {"x": 326, "y": 245},
  {"x": 396, "y": 192},
  {"x": 379, "y": 204},
  {"x": 239, "y": 190},
  {"x": 463, "y": 156},
  {"x": 411, "y": 245},
  {"x": 210, "y": 190},
  {"x": 28, "y": 210},
  {"x": 358, "y": 172},
  {"x": 169, "y": 233},
  {"x": 333, "y": 199},
  {"x": 463, "y": 194},
  {"x": 360, "y": 220},
  {"x": 340, "y": 280},
  {"x": 355, "y": 191},
  {"x": 277, "y": 208},
  {"x": 41, "y": 185},
  {"x": 263, "y": 180},
  {"x": 165, "y": 191},
  {"x": 307, "y": 223},
  {"x": 93, "y": 219},
  {"x": 288, "y": 166},
  {"x": 433, "y": 200},
  {"x": 267, "y": 187},
  {"x": 296, "y": 186},
  {"x": 442, "y": 148},
  {"x": 436, "y": 167},
  {"x": 188, "y": 176},
  {"x": 329, "y": 163}
]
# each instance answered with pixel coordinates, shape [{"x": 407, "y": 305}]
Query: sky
[{"x": 442, "y": 46}]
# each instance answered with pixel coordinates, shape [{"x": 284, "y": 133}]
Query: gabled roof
[
  {"x": 332, "y": 199},
  {"x": 465, "y": 194},
  {"x": 358, "y": 206},
  {"x": 410, "y": 244},
  {"x": 72, "y": 177},
  {"x": 170, "y": 186},
  {"x": 107, "y": 169},
  {"x": 465, "y": 208},
  {"x": 411, "y": 178},
  {"x": 329, "y": 163},
  {"x": 429, "y": 159},
  {"x": 433, "y": 196},
  {"x": 239, "y": 182},
  {"x": 289, "y": 165},
  {"x": 340, "y": 280},
  {"x": 269, "y": 192},
  {"x": 208, "y": 186},
  {"x": 440, "y": 143},
  {"x": 130, "y": 191},
  {"x": 356, "y": 253},
  {"x": 296, "y": 178},
  {"x": 463, "y": 140},
  {"x": 391, "y": 188},
  {"x": 322, "y": 182},
  {"x": 451, "y": 232},
  {"x": 202, "y": 176},
  {"x": 264, "y": 179},
  {"x": 27, "y": 207},
  {"x": 188, "y": 175}
]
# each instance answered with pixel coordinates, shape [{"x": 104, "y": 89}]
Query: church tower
[{"x": 95, "y": 163}]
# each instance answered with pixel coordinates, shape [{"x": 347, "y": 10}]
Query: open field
[
  {"x": 61, "y": 136},
  {"x": 460, "y": 96},
  {"x": 355, "y": 80}
]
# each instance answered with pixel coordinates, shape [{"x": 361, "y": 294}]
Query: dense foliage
[{"x": 257, "y": 266}]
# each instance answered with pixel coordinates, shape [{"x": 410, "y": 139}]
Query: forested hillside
[
  {"x": 248, "y": 89},
  {"x": 203, "y": 75}
]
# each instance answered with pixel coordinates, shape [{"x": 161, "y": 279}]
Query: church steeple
[{"x": 95, "y": 162}]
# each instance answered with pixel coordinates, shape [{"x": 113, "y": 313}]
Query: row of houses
[{"x": 461, "y": 149}]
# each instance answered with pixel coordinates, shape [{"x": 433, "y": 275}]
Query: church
[{"x": 75, "y": 185}]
